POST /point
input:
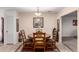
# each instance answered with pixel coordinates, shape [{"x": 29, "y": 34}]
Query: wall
[
  {"x": 26, "y": 22},
  {"x": 67, "y": 26}
]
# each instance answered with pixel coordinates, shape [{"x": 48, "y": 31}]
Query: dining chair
[
  {"x": 54, "y": 34},
  {"x": 49, "y": 45},
  {"x": 20, "y": 36},
  {"x": 27, "y": 44},
  {"x": 39, "y": 41},
  {"x": 54, "y": 38}
]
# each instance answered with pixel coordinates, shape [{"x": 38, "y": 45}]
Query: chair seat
[
  {"x": 39, "y": 42},
  {"x": 28, "y": 43}
]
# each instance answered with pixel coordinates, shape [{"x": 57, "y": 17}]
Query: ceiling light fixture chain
[
  {"x": 37, "y": 9},
  {"x": 38, "y": 12}
]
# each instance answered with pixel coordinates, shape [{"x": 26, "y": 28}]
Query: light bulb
[{"x": 38, "y": 14}]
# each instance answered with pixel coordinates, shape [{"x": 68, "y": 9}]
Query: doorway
[
  {"x": 69, "y": 31},
  {"x": 2, "y": 30},
  {"x": 58, "y": 27}
]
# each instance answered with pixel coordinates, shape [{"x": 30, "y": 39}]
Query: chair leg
[
  {"x": 44, "y": 49},
  {"x": 34, "y": 49}
]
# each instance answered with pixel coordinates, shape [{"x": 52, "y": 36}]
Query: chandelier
[{"x": 38, "y": 12}]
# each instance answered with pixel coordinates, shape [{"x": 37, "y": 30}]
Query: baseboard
[{"x": 69, "y": 37}]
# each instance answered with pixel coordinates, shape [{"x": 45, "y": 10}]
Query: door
[{"x": 8, "y": 29}]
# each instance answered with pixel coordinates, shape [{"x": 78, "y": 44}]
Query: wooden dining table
[
  {"x": 50, "y": 45},
  {"x": 30, "y": 36}
]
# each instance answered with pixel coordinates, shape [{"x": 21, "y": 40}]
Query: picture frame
[
  {"x": 58, "y": 25},
  {"x": 17, "y": 25},
  {"x": 38, "y": 22},
  {"x": 74, "y": 22}
]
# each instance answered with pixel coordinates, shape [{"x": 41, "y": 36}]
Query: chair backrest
[
  {"x": 23, "y": 35},
  {"x": 39, "y": 38},
  {"x": 20, "y": 36},
  {"x": 39, "y": 35},
  {"x": 54, "y": 34}
]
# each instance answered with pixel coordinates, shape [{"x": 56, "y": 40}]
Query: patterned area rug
[{"x": 40, "y": 50}]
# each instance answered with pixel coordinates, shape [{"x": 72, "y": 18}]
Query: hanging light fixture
[{"x": 38, "y": 13}]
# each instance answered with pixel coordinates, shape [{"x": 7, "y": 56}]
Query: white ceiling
[
  {"x": 34, "y": 9},
  {"x": 71, "y": 14}
]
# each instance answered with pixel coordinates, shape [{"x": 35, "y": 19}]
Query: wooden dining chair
[
  {"x": 39, "y": 41},
  {"x": 49, "y": 45},
  {"x": 54, "y": 38},
  {"x": 27, "y": 44},
  {"x": 20, "y": 36},
  {"x": 54, "y": 34}
]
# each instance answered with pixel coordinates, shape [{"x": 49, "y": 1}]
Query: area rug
[{"x": 30, "y": 50}]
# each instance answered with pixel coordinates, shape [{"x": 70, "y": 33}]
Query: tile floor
[
  {"x": 71, "y": 43},
  {"x": 63, "y": 48},
  {"x": 10, "y": 48},
  {"x": 15, "y": 48}
]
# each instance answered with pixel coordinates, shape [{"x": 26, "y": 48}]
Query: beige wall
[{"x": 26, "y": 22}]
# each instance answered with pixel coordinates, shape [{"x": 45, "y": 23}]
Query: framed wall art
[
  {"x": 58, "y": 24},
  {"x": 74, "y": 22},
  {"x": 38, "y": 22},
  {"x": 17, "y": 25}
]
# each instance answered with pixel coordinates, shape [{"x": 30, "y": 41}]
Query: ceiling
[
  {"x": 74, "y": 14},
  {"x": 34, "y": 9}
]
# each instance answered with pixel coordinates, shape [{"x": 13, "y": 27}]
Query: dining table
[{"x": 30, "y": 36}]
